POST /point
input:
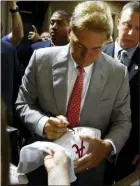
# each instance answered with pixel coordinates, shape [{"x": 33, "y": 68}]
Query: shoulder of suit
[
  {"x": 108, "y": 46},
  {"x": 112, "y": 62},
  {"x": 49, "y": 50},
  {"x": 49, "y": 54}
]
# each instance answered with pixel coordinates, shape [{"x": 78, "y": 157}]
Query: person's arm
[
  {"x": 121, "y": 115},
  {"x": 28, "y": 108},
  {"x": 17, "y": 26},
  {"x": 56, "y": 165}
]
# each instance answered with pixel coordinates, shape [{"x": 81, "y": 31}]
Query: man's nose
[
  {"x": 55, "y": 25},
  {"x": 131, "y": 31},
  {"x": 87, "y": 53}
]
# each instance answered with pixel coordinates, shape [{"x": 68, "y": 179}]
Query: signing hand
[
  {"x": 56, "y": 127},
  {"x": 34, "y": 36},
  {"x": 97, "y": 152}
]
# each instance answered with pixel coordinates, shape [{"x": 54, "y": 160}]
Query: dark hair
[
  {"x": 134, "y": 6},
  {"x": 63, "y": 12}
]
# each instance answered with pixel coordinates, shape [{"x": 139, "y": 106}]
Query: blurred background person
[
  {"x": 45, "y": 36},
  {"x": 35, "y": 37}
]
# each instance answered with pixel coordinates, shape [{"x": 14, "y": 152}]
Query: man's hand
[
  {"x": 58, "y": 158},
  {"x": 97, "y": 152},
  {"x": 56, "y": 165},
  {"x": 12, "y": 5},
  {"x": 33, "y": 35},
  {"x": 136, "y": 161},
  {"x": 56, "y": 127}
]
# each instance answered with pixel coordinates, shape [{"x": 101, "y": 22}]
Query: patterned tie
[
  {"x": 73, "y": 109},
  {"x": 123, "y": 57}
]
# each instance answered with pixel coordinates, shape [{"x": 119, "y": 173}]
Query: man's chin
[{"x": 128, "y": 44}]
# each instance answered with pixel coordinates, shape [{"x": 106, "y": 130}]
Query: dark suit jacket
[
  {"x": 132, "y": 147},
  {"x": 10, "y": 76}
]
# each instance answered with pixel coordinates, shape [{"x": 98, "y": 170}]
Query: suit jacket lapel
[
  {"x": 96, "y": 86},
  {"x": 60, "y": 79}
]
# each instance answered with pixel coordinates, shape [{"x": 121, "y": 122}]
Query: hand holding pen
[
  {"x": 64, "y": 119},
  {"x": 56, "y": 127}
]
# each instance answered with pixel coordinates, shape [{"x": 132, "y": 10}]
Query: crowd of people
[{"x": 76, "y": 78}]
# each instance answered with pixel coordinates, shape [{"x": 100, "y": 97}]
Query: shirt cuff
[
  {"x": 114, "y": 151},
  {"x": 40, "y": 126}
]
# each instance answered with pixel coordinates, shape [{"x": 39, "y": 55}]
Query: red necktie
[{"x": 73, "y": 109}]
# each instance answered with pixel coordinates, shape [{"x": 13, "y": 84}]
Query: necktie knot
[
  {"x": 80, "y": 69},
  {"x": 123, "y": 57},
  {"x": 121, "y": 54}
]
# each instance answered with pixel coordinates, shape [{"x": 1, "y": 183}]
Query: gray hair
[
  {"x": 134, "y": 6},
  {"x": 93, "y": 15}
]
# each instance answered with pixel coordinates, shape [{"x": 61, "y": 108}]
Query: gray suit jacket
[{"x": 44, "y": 89}]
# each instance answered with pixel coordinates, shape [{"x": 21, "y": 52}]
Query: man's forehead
[
  {"x": 128, "y": 14},
  {"x": 58, "y": 16}
]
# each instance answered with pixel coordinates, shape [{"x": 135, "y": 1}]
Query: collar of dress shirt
[
  {"x": 74, "y": 65},
  {"x": 130, "y": 51}
]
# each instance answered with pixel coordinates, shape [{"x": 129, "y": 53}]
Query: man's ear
[
  {"x": 69, "y": 30},
  {"x": 118, "y": 25}
]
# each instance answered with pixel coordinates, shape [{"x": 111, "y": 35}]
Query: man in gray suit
[{"x": 81, "y": 87}]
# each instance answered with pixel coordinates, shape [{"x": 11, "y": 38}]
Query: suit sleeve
[
  {"x": 121, "y": 116},
  {"x": 27, "y": 101}
]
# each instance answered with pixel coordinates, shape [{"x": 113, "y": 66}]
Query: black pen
[{"x": 52, "y": 115}]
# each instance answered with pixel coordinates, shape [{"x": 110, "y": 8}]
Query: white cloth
[
  {"x": 72, "y": 142},
  {"x": 15, "y": 177},
  {"x": 31, "y": 158}
]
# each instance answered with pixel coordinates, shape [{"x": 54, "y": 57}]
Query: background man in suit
[
  {"x": 128, "y": 40},
  {"x": 73, "y": 83},
  {"x": 58, "y": 29}
]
